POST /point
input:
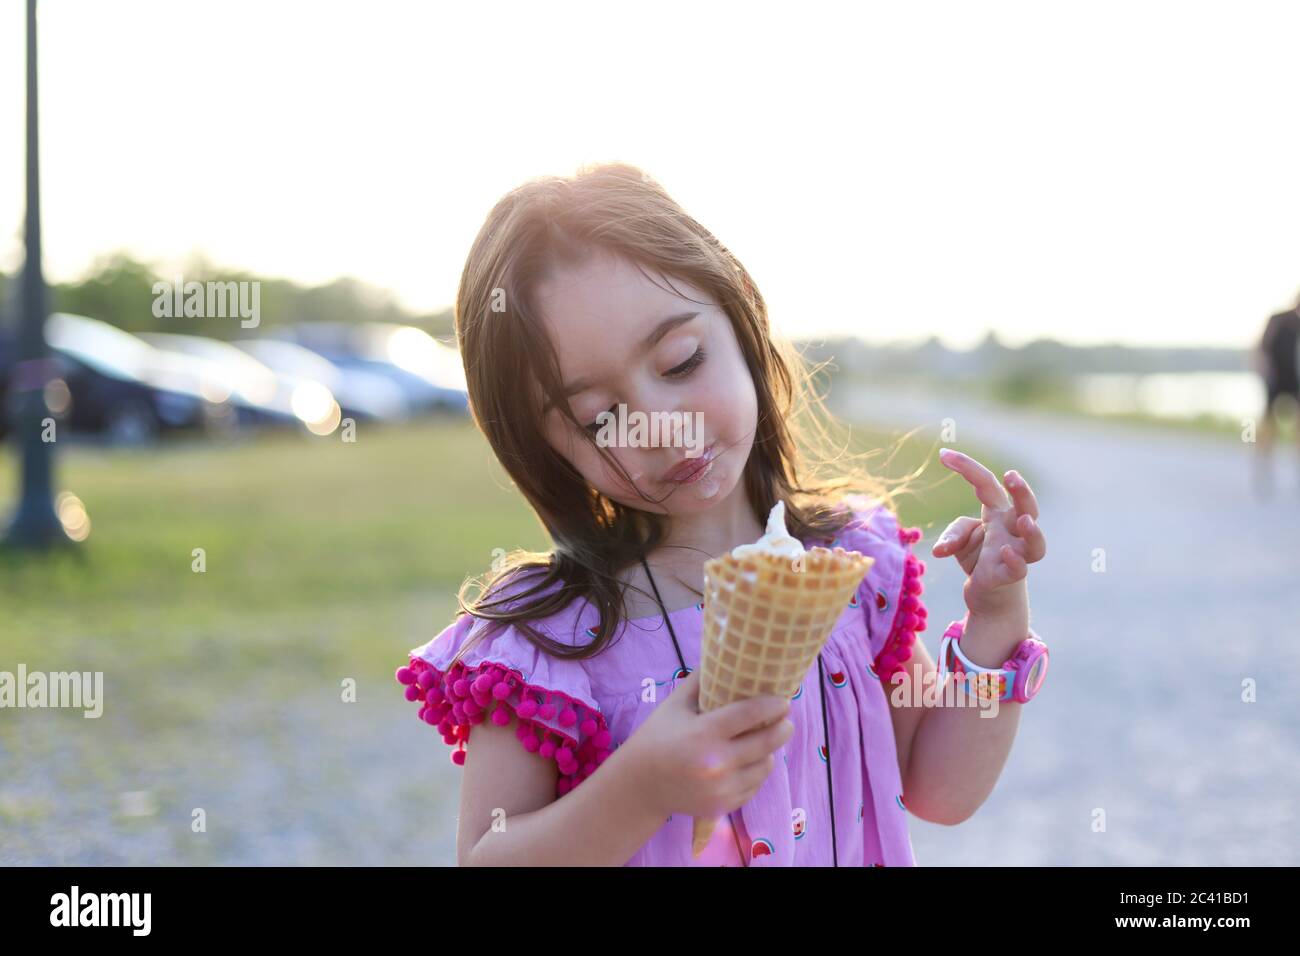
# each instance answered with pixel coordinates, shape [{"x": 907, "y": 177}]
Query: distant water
[{"x": 1234, "y": 395}]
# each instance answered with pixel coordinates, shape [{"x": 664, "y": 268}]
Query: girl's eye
[
  {"x": 681, "y": 371},
  {"x": 689, "y": 366}
]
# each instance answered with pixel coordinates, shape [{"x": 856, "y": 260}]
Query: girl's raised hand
[{"x": 995, "y": 549}]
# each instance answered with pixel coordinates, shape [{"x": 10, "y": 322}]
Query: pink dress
[{"x": 577, "y": 712}]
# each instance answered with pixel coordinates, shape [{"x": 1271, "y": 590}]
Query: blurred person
[{"x": 1275, "y": 359}]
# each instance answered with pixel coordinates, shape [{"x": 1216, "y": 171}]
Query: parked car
[
  {"x": 260, "y": 395},
  {"x": 114, "y": 383},
  {"x": 429, "y": 373},
  {"x": 361, "y": 395}
]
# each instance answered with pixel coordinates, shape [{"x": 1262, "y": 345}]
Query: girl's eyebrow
[{"x": 659, "y": 331}]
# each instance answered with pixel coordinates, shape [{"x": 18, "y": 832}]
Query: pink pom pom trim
[
  {"x": 456, "y": 700},
  {"x": 909, "y": 615}
]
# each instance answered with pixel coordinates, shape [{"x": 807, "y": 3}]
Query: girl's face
[{"x": 623, "y": 339}]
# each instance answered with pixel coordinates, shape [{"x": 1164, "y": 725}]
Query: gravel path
[{"x": 1200, "y": 591}]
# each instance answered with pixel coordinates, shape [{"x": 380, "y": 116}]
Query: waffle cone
[{"x": 766, "y": 618}]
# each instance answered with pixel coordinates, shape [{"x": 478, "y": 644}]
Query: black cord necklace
[{"x": 821, "y": 681}]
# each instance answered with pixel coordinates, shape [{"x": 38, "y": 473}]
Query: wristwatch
[{"x": 1017, "y": 679}]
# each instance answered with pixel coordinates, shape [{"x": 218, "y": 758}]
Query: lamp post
[{"x": 35, "y": 524}]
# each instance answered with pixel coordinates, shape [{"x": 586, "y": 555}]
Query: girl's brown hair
[{"x": 552, "y": 222}]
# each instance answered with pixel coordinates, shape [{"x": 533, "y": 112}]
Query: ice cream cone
[{"x": 766, "y": 617}]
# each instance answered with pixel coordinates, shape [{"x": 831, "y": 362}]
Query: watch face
[{"x": 1037, "y": 671}]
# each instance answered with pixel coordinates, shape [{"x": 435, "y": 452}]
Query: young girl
[{"x": 575, "y": 668}]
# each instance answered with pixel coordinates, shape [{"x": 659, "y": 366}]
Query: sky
[{"x": 1093, "y": 172}]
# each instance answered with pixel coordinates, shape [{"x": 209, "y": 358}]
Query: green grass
[
  {"x": 322, "y": 557},
  {"x": 312, "y": 548}
]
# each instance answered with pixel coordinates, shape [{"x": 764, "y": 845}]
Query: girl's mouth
[{"x": 692, "y": 470}]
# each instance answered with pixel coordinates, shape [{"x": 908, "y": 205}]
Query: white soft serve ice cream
[{"x": 776, "y": 541}]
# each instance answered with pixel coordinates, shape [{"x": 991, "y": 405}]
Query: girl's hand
[
  {"x": 707, "y": 765},
  {"x": 995, "y": 549}
]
